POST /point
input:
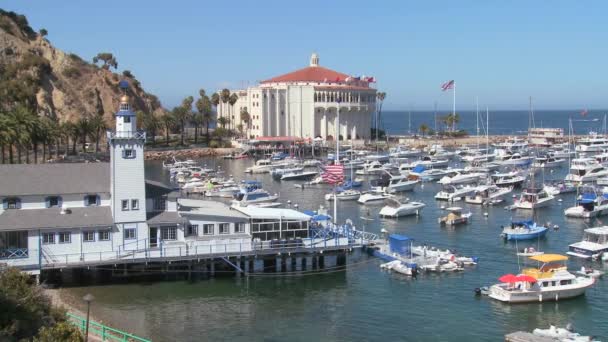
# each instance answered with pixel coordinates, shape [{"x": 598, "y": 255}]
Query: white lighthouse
[{"x": 128, "y": 192}]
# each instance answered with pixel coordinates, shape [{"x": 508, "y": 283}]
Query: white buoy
[
  {"x": 443, "y": 207},
  {"x": 295, "y": 206},
  {"x": 559, "y": 200},
  {"x": 288, "y": 201},
  {"x": 485, "y": 214}
]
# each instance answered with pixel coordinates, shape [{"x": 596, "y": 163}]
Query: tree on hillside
[
  {"x": 43, "y": 32},
  {"x": 27, "y": 314},
  {"x": 108, "y": 60}
]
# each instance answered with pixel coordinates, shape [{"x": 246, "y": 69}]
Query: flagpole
[
  {"x": 337, "y": 162},
  {"x": 454, "y": 106}
]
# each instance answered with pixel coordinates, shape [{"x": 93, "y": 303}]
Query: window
[
  {"x": 90, "y": 200},
  {"x": 239, "y": 228},
  {"x": 53, "y": 201},
  {"x": 192, "y": 229},
  {"x": 134, "y": 204},
  {"x": 88, "y": 236},
  {"x": 128, "y": 153},
  {"x": 168, "y": 233},
  {"x": 11, "y": 203},
  {"x": 104, "y": 235},
  {"x": 224, "y": 228},
  {"x": 48, "y": 238},
  {"x": 208, "y": 229},
  {"x": 126, "y": 119},
  {"x": 130, "y": 233},
  {"x": 65, "y": 237},
  {"x": 125, "y": 205},
  {"x": 160, "y": 204}
]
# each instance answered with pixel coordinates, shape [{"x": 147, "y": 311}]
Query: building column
[{"x": 278, "y": 112}]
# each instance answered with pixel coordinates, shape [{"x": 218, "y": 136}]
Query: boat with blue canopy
[{"x": 523, "y": 230}]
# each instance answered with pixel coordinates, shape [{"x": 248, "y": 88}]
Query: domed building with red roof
[{"x": 304, "y": 103}]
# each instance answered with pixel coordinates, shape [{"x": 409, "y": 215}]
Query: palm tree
[
  {"x": 245, "y": 117},
  {"x": 168, "y": 122},
  {"x": 423, "y": 129},
  {"x": 203, "y": 107},
  {"x": 98, "y": 124},
  {"x": 224, "y": 97},
  {"x": 222, "y": 121},
  {"x": 22, "y": 120},
  {"x": 72, "y": 132},
  {"x": 232, "y": 100},
  {"x": 5, "y": 134},
  {"x": 85, "y": 128},
  {"x": 150, "y": 123}
]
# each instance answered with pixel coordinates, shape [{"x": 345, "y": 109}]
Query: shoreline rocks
[{"x": 189, "y": 153}]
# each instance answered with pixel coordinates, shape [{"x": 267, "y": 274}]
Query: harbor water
[{"x": 363, "y": 302}]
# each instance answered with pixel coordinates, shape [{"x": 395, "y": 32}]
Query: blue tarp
[
  {"x": 309, "y": 212},
  {"x": 321, "y": 218},
  {"x": 419, "y": 169},
  {"x": 399, "y": 244}
]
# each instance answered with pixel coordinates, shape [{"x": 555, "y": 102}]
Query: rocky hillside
[{"x": 59, "y": 84}]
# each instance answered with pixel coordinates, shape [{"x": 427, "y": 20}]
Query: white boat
[
  {"x": 261, "y": 166},
  {"x": 593, "y": 245},
  {"x": 425, "y": 174},
  {"x": 427, "y": 161},
  {"x": 403, "y": 152},
  {"x": 256, "y": 196},
  {"x": 554, "y": 333},
  {"x": 564, "y": 152},
  {"x": 301, "y": 174},
  {"x": 509, "y": 158},
  {"x": 461, "y": 178},
  {"x": 371, "y": 168},
  {"x": 488, "y": 195},
  {"x": 455, "y": 217},
  {"x": 382, "y": 158},
  {"x": 589, "y": 204},
  {"x": 550, "y": 282},
  {"x": 510, "y": 181},
  {"x": 533, "y": 198},
  {"x": 453, "y": 193},
  {"x": 223, "y": 191},
  {"x": 586, "y": 170},
  {"x": 441, "y": 265},
  {"x": 546, "y": 162},
  {"x": 346, "y": 195},
  {"x": 559, "y": 188},
  {"x": 401, "y": 183},
  {"x": 373, "y": 196},
  {"x": 278, "y": 172},
  {"x": 395, "y": 208},
  {"x": 593, "y": 143},
  {"x": 398, "y": 266},
  {"x": 513, "y": 144},
  {"x": 177, "y": 163},
  {"x": 589, "y": 272},
  {"x": 446, "y": 254}
]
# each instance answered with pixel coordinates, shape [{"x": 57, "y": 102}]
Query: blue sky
[{"x": 500, "y": 51}]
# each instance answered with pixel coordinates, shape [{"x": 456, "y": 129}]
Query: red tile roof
[{"x": 310, "y": 74}]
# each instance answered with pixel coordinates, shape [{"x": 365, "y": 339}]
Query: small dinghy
[
  {"x": 455, "y": 217},
  {"x": 589, "y": 272}
]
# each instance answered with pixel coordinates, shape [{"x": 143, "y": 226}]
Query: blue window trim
[
  {"x": 86, "y": 232},
  {"x": 133, "y": 153}
]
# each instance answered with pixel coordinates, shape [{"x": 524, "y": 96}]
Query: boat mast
[
  {"x": 337, "y": 161},
  {"x": 487, "y": 132},
  {"x": 477, "y": 119}
]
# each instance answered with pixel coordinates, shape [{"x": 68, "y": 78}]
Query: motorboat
[
  {"x": 178, "y": 164},
  {"x": 589, "y": 272},
  {"x": 278, "y": 172},
  {"x": 533, "y": 198},
  {"x": 244, "y": 198},
  {"x": 452, "y": 193},
  {"x": 297, "y": 175},
  {"x": 461, "y": 178},
  {"x": 586, "y": 170},
  {"x": 523, "y": 230},
  {"x": 455, "y": 217},
  {"x": 554, "y": 333},
  {"x": 395, "y": 208},
  {"x": 515, "y": 180},
  {"x": 589, "y": 204},
  {"x": 559, "y": 188},
  {"x": 513, "y": 144},
  {"x": 564, "y": 152},
  {"x": 488, "y": 195},
  {"x": 509, "y": 158},
  {"x": 345, "y": 195},
  {"x": 593, "y": 143},
  {"x": 403, "y": 152},
  {"x": 382, "y": 158},
  {"x": 399, "y": 266},
  {"x": 445, "y": 254},
  {"x": 371, "y": 168},
  {"x": 261, "y": 166},
  {"x": 546, "y": 162},
  {"x": 401, "y": 183},
  {"x": 594, "y": 244},
  {"x": 427, "y": 161},
  {"x": 425, "y": 174},
  {"x": 549, "y": 282},
  {"x": 373, "y": 196},
  {"x": 222, "y": 191}
]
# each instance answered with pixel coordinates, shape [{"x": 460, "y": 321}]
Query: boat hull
[{"x": 543, "y": 295}]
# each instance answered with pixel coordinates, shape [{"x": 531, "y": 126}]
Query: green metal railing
[{"x": 106, "y": 333}]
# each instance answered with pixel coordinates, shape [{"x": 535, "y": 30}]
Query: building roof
[
  {"x": 162, "y": 217},
  {"x": 273, "y": 213},
  {"x": 51, "y": 218},
  {"x": 54, "y": 179},
  {"x": 310, "y": 74},
  {"x": 211, "y": 211},
  {"x": 157, "y": 189}
]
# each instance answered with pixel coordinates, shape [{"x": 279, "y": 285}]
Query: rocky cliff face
[{"x": 60, "y": 85}]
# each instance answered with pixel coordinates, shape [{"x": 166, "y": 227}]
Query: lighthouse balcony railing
[{"x": 126, "y": 135}]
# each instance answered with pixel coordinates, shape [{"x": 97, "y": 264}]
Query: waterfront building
[{"x": 304, "y": 103}]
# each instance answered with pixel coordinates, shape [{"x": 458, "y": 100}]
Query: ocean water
[
  {"x": 363, "y": 302},
  {"x": 501, "y": 122}
]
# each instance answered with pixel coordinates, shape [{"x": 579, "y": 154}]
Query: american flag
[
  {"x": 333, "y": 174},
  {"x": 447, "y": 85}
]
